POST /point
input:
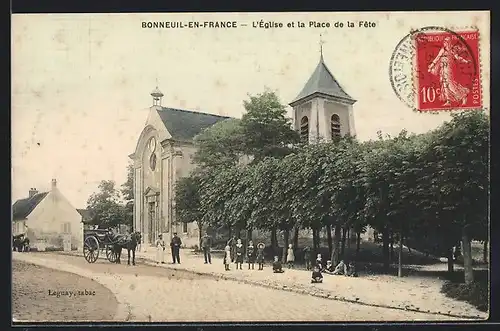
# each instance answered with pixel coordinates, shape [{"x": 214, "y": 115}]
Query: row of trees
[{"x": 408, "y": 187}]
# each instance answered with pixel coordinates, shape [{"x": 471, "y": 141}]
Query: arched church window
[
  {"x": 304, "y": 128},
  {"x": 335, "y": 125},
  {"x": 152, "y": 161}
]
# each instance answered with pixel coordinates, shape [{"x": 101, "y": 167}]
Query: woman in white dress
[{"x": 442, "y": 66}]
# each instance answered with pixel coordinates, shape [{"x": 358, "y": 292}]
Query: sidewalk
[{"x": 407, "y": 293}]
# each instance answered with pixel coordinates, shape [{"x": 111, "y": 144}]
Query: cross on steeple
[{"x": 321, "y": 42}]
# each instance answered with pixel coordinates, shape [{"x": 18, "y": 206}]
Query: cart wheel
[
  {"x": 91, "y": 249},
  {"x": 110, "y": 254}
]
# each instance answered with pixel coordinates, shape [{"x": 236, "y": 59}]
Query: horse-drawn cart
[{"x": 96, "y": 241}]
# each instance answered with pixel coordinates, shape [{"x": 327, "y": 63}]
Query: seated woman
[
  {"x": 316, "y": 277},
  {"x": 351, "y": 270},
  {"x": 329, "y": 267},
  {"x": 277, "y": 267},
  {"x": 340, "y": 269}
]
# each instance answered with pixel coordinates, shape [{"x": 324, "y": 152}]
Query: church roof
[
  {"x": 183, "y": 124},
  {"x": 322, "y": 81},
  {"x": 23, "y": 207}
]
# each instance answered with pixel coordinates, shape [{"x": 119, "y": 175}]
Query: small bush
[
  {"x": 476, "y": 293},
  {"x": 54, "y": 249}
]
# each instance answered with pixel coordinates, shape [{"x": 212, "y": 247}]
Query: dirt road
[{"x": 35, "y": 296}]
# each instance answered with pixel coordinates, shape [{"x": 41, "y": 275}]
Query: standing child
[
  {"x": 277, "y": 267},
  {"x": 250, "y": 254},
  {"x": 160, "y": 250},
  {"x": 307, "y": 257},
  {"x": 239, "y": 254},
  {"x": 290, "y": 256},
  {"x": 260, "y": 255},
  {"x": 316, "y": 277},
  {"x": 227, "y": 257}
]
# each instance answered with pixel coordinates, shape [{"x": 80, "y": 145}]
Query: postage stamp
[{"x": 438, "y": 69}]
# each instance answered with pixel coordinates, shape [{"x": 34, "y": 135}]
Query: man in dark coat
[
  {"x": 206, "y": 245},
  {"x": 175, "y": 246}
]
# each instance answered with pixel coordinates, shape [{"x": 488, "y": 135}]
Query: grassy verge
[{"x": 475, "y": 293}]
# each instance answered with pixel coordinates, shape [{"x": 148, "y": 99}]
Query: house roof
[
  {"x": 86, "y": 216},
  {"x": 323, "y": 82},
  {"x": 183, "y": 124},
  {"x": 23, "y": 207}
]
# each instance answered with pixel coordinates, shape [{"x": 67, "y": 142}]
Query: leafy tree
[
  {"x": 461, "y": 154},
  {"x": 105, "y": 206},
  {"x": 187, "y": 202},
  {"x": 219, "y": 145},
  {"x": 266, "y": 130},
  {"x": 127, "y": 192}
]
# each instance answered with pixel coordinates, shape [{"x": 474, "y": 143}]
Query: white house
[{"x": 48, "y": 219}]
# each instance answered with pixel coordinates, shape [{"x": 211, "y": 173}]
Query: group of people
[
  {"x": 342, "y": 268},
  {"x": 175, "y": 246},
  {"x": 235, "y": 252}
]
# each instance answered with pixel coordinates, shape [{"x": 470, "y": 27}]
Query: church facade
[
  {"x": 163, "y": 155},
  {"x": 321, "y": 111}
]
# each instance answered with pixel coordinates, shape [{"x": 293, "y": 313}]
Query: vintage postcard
[{"x": 246, "y": 167}]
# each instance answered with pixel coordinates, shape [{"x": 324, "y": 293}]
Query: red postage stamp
[{"x": 447, "y": 70}]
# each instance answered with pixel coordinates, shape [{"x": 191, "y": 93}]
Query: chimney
[
  {"x": 32, "y": 192},
  {"x": 54, "y": 183}
]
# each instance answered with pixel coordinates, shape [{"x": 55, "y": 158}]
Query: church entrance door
[{"x": 152, "y": 223}]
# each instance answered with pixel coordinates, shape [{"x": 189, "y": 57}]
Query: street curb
[
  {"x": 318, "y": 293},
  {"x": 123, "y": 310}
]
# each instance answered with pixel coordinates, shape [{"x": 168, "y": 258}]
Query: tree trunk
[
  {"x": 349, "y": 239},
  {"x": 385, "y": 248},
  {"x": 274, "y": 241},
  {"x": 249, "y": 234},
  {"x": 296, "y": 237},
  {"x": 450, "y": 259},
  {"x": 330, "y": 239},
  {"x": 315, "y": 241},
  {"x": 200, "y": 228},
  {"x": 466, "y": 251},
  {"x": 318, "y": 240},
  {"x": 229, "y": 233},
  {"x": 286, "y": 236},
  {"x": 391, "y": 245},
  {"x": 342, "y": 247},
  {"x": 408, "y": 246},
  {"x": 336, "y": 243},
  {"x": 358, "y": 244},
  {"x": 485, "y": 251},
  {"x": 400, "y": 256}
]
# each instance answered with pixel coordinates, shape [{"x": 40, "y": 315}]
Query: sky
[{"x": 81, "y": 83}]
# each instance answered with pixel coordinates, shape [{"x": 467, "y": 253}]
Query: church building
[{"x": 163, "y": 153}]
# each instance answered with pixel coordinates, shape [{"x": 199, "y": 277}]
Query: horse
[
  {"x": 21, "y": 243},
  {"x": 130, "y": 244}
]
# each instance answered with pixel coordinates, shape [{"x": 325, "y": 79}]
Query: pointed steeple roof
[{"x": 323, "y": 82}]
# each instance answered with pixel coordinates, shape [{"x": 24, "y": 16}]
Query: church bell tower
[{"x": 323, "y": 110}]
